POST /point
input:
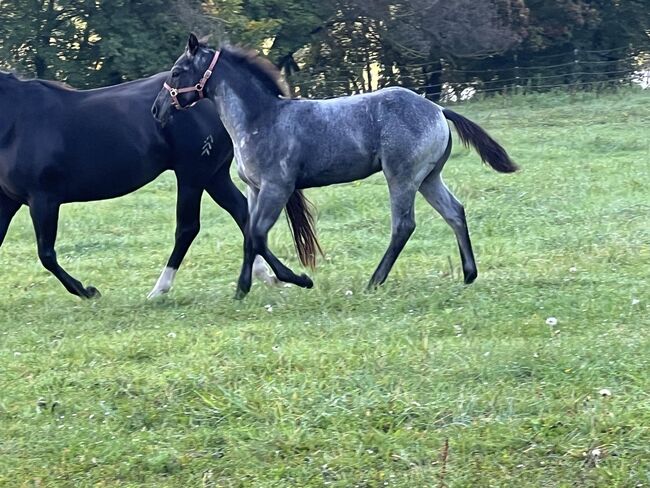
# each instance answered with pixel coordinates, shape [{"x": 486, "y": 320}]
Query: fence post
[
  {"x": 576, "y": 68},
  {"x": 517, "y": 83}
]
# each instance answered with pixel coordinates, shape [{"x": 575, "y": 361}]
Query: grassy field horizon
[{"x": 536, "y": 375}]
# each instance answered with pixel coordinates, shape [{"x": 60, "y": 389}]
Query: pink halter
[{"x": 174, "y": 92}]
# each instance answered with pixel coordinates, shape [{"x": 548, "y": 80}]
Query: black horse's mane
[{"x": 261, "y": 68}]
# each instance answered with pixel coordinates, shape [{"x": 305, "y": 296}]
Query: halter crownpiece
[{"x": 174, "y": 92}]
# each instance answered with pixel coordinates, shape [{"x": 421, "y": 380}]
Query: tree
[
  {"x": 88, "y": 42},
  {"x": 331, "y": 47},
  {"x": 365, "y": 43}
]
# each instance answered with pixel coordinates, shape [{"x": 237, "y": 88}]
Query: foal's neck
[{"x": 243, "y": 102}]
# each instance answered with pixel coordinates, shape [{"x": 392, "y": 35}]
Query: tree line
[{"x": 332, "y": 47}]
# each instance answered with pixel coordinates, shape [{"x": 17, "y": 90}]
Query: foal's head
[
  {"x": 186, "y": 83},
  {"x": 191, "y": 78}
]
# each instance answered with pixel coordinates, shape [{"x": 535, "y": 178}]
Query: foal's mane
[{"x": 261, "y": 68}]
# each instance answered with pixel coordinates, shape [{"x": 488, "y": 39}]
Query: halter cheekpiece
[{"x": 174, "y": 92}]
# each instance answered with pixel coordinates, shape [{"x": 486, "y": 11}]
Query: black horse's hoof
[
  {"x": 470, "y": 277},
  {"x": 92, "y": 292},
  {"x": 306, "y": 281},
  {"x": 372, "y": 285},
  {"x": 240, "y": 294}
]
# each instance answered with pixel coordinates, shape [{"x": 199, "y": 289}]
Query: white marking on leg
[
  {"x": 262, "y": 272},
  {"x": 164, "y": 283}
]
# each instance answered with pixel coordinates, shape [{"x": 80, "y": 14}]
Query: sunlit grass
[{"x": 336, "y": 386}]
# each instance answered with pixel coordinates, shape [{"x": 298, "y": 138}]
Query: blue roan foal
[{"x": 282, "y": 145}]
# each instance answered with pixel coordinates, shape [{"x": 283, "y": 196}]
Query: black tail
[
  {"x": 490, "y": 150},
  {"x": 301, "y": 220}
]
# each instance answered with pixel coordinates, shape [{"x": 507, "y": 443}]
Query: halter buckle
[{"x": 173, "y": 92}]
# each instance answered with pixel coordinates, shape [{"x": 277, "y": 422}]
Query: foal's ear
[{"x": 192, "y": 44}]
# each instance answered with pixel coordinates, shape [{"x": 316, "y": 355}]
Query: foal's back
[{"x": 349, "y": 138}]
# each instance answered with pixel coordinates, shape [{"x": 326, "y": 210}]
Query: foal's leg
[
  {"x": 440, "y": 198},
  {"x": 402, "y": 200},
  {"x": 188, "y": 223},
  {"x": 45, "y": 217},
  {"x": 8, "y": 209},
  {"x": 266, "y": 206},
  {"x": 224, "y": 192}
]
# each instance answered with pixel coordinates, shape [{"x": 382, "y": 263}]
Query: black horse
[{"x": 60, "y": 145}]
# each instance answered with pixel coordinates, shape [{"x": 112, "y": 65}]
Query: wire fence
[{"x": 574, "y": 70}]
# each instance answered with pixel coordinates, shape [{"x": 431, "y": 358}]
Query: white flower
[
  {"x": 573, "y": 269},
  {"x": 635, "y": 301},
  {"x": 551, "y": 321},
  {"x": 268, "y": 307},
  {"x": 348, "y": 293},
  {"x": 605, "y": 392},
  {"x": 172, "y": 335}
]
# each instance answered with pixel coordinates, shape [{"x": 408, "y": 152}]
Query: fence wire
[{"x": 577, "y": 71}]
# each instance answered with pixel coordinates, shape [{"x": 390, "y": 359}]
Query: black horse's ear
[{"x": 192, "y": 44}]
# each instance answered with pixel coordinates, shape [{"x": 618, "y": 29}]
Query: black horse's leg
[
  {"x": 8, "y": 209},
  {"x": 224, "y": 192},
  {"x": 188, "y": 223},
  {"x": 45, "y": 217},
  {"x": 402, "y": 201},
  {"x": 440, "y": 198},
  {"x": 266, "y": 207}
]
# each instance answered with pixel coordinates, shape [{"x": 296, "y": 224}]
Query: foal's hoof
[
  {"x": 92, "y": 292},
  {"x": 305, "y": 281},
  {"x": 471, "y": 277}
]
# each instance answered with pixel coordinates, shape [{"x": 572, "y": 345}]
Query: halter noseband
[{"x": 174, "y": 92}]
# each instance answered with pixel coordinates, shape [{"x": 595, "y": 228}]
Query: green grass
[{"x": 336, "y": 386}]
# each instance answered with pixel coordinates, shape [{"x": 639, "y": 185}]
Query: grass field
[{"x": 422, "y": 383}]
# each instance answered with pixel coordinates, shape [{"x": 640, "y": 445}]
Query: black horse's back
[{"x": 80, "y": 145}]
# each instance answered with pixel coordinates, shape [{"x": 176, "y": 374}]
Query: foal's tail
[
  {"x": 301, "y": 220},
  {"x": 490, "y": 150}
]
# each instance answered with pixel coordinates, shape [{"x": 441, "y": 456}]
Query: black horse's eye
[{"x": 176, "y": 73}]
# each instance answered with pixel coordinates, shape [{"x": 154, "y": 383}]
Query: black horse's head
[{"x": 186, "y": 83}]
